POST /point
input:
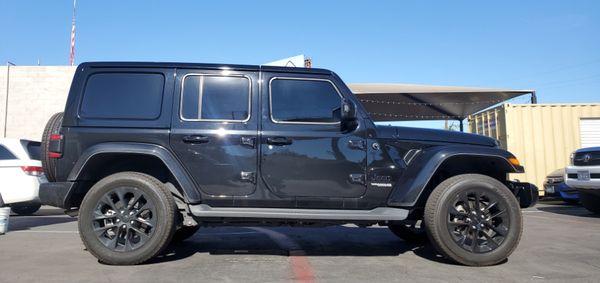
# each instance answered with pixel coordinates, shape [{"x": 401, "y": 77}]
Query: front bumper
[
  {"x": 572, "y": 174},
  {"x": 560, "y": 190},
  {"x": 56, "y": 193}
]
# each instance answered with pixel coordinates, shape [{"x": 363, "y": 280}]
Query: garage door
[{"x": 589, "y": 132}]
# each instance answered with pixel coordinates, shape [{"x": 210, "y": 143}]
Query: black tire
[
  {"x": 26, "y": 208},
  {"x": 492, "y": 212},
  {"x": 410, "y": 231},
  {"x": 52, "y": 127},
  {"x": 590, "y": 202},
  {"x": 185, "y": 233},
  {"x": 156, "y": 207}
]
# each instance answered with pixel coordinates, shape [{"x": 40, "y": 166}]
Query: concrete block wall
[{"x": 34, "y": 94}]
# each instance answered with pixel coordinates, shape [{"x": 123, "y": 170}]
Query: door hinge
[
  {"x": 357, "y": 179},
  {"x": 249, "y": 141},
  {"x": 357, "y": 144},
  {"x": 248, "y": 176}
]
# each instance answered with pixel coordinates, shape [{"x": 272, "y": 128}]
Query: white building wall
[{"x": 34, "y": 94}]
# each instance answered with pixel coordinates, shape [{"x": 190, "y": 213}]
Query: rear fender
[{"x": 174, "y": 166}]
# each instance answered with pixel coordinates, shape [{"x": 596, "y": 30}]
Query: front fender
[
  {"x": 413, "y": 182},
  {"x": 178, "y": 171}
]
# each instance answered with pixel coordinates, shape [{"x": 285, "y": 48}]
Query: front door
[
  {"x": 304, "y": 153},
  {"x": 214, "y": 133}
]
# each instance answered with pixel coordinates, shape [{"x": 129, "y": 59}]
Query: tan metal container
[{"x": 541, "y": 136}]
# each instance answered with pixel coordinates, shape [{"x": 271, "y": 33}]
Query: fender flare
[
  {"x": 414, "y": 181},
  {"x": 183, "y": 178}
]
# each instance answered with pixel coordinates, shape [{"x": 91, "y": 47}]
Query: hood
[
  {"x": 557, "y": 173},
  {"x": 420, "y": 134}
]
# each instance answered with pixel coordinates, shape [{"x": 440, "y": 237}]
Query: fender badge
[{"x": 382, "y": 185}]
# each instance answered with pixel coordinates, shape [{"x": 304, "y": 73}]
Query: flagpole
[{"x": 72, "y": 50}]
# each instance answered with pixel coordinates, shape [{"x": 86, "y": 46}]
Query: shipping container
[{"x": 541, "y": 136}]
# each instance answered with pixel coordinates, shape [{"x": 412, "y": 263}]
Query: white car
[
  {"x": 584, "y": 175},
  {"x": 20, "y": 175}
]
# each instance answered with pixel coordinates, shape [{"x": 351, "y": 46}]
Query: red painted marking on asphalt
[
  {"x": 301, "y": 267},
  {"x": 302, "y": 271}
]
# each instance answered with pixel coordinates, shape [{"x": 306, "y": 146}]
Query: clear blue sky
[{"x": 550, "y": 46}]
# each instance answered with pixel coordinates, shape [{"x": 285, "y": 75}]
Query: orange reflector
[{"x": 514, "y": 161}]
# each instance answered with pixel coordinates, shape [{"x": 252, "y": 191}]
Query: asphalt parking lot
[{"x": 560, "y": 243}]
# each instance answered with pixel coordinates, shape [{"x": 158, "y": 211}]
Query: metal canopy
[{"x": 409, "y": 102}]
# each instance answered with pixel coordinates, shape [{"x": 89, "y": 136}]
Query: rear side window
[
  {"x": 304, "y": 101},
  {"x": 136, "y": 96},
  {"x": 5, "y": 154},
  {"x": 33, "y": 149},
  {"x": 215, "y": 98}
]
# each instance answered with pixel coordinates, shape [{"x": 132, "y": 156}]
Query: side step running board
[{"x": 379, "y": 213}]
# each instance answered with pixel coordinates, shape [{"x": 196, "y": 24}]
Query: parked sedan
[
  {"x": 20, "y": 175},
  {"x": 555, "y": 186}
]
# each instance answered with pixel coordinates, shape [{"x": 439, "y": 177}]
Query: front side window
[
  {"x": 304, "y": 101},
  {"x": 123, "y": 96},
  {"x": 220, "y": 98},
  {"x": 5, "y": 154}
]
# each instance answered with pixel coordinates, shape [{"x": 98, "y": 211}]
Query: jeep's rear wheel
[
  {"x": 127, "y": 218},
  {"x": 52, "y": 127},
  {"x": 473, "y": 219},
  {"x": 590, "y": 202}
]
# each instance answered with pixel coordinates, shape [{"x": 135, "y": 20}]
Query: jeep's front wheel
[
  {"x": 473, "y": 219},
  {"x": 127, "y": 218}
]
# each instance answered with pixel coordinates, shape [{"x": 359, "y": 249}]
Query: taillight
[
  {"x": 55, "y": 146},
  {"x": 33, "y": 170}
]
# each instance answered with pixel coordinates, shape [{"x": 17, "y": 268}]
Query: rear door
[{"x": 214, "y": 129}]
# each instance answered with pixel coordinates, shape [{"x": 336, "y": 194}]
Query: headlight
[
  {"x": 572, "y": 158},
  {"x": 554, "y": 180}
]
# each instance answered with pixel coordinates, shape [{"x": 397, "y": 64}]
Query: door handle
[
  {"x": 195, "y": 139},
  {"x": 279, "y": 141}
]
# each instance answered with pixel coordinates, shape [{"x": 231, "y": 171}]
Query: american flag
[{"x": 72, "y": 53}]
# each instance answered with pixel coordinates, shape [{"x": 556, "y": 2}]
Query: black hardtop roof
[{"x": 216, "y": 66}]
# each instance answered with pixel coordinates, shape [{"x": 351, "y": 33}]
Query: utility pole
[{"x": 8, "y": 64}]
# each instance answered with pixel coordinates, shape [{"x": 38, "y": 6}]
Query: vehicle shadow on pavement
[
  {"x": 568, "y": 209},
  {"x": 19, "y": 223},
  {"x": 330, "y": 241}
]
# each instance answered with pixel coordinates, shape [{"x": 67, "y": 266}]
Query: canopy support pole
[
  {"x": 461, "y": 125},
  {"x": 533, "y": 98}
]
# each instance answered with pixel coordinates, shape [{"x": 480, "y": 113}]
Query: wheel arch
[
  {"x": 105, "y": 159},
  {"x": 437, "y": 165}
]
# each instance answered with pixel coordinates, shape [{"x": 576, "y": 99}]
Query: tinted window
[
  {"x": 123, "y": 96},
  {"x": 5, "y": 154},
  {"x": 215, "y": 98},
  {"x": 304, "y": 101},
  {"x": 33, "y": 150}
]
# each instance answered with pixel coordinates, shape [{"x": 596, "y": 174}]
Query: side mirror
[{"x": 349, "y": 119}]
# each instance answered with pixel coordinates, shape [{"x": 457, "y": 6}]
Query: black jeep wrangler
[{"x": 146, "y": 153}]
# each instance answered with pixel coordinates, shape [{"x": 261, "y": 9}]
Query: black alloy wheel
[
  {"x": 473, "y": 219},
  {"x": 124, "y": 219},
  {"x": 478, "y": 221},
  {"x": 127, "y": 218}
]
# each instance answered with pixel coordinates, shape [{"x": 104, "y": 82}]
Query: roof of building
[{"x": 406, "y": 102}]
